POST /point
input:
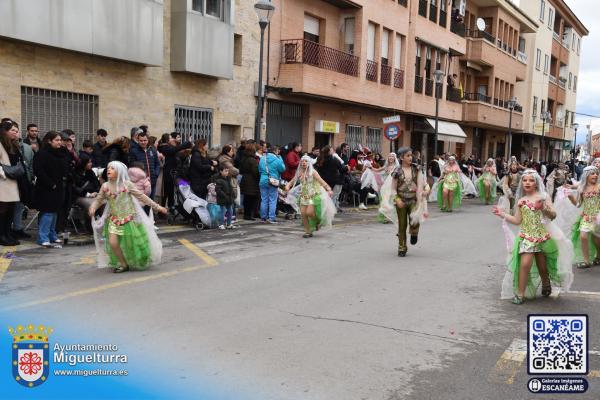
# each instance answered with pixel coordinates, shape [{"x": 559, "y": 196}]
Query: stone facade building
[{"x": 177, "y": 65}]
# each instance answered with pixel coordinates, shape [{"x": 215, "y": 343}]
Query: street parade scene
[{"x": 405, "y": 205}]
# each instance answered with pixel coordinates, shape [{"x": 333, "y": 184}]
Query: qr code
[{"x": 557, "y": 344}]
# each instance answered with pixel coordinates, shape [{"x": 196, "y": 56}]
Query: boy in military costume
[{"x": 510, "y": 182}]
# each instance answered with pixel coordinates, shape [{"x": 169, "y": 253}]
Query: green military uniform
[{"x": 406, "y": 190}]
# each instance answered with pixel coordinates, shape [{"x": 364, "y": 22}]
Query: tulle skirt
[
  {"x": 576, "y": 239},
  {"x": 456, "y": 201},
  {"x": 134, "y": 244},
  {"x": 481, "y": 189}
]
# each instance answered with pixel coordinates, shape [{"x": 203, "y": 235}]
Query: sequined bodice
[
  {"x": 591, "y": 203},
  {"x": 120, "y": 205},
  {"x": 309, "y": 189},
  {"x": 488, "y": 175},
  {"x": 451, "y": 177},
  {"x": 531, "y": 222}
]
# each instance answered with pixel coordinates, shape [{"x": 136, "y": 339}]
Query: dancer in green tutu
[
  {"x": 313, "y": 195},
  {"x": 586, "y": 231},
  {"x": 487, "y": 182},
  {"x": 124, "y": 235},
  {"x": 540, "y": 253},
  {"x": 449, "y": 196}
]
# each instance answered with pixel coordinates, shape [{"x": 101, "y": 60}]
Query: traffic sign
[{"x": 392, "y": 131}]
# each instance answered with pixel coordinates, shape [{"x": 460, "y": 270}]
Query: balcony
[
  {"x": 453, "y": 94},
  {"x": 429, "y": 87},
  {"x": 552, "y": 79},
  {"x": 522, "y": 57},
  {"x": 371, "y": 71},
  {"x": 485, "y": 111},
  {"x": 302, "y": 51},
  {"x": 457, "y": 28},
  {"x": 386, "y": 74},
  {"x": 418, "y": 84},
  {"x": 477, "y": 34},
  {"x": 482, "y": 51},
  {"x": 399, "y": 78},
  {"x": 556, "y": 36}
]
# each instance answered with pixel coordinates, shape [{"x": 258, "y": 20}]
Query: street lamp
[
  {"x": 438, "y": 76},
  {"x": 264, "y": 10},
  {"x": 545, "y": 117},
  {"x": 575, "y": 126},
  {"x": 512, "y": 103}
]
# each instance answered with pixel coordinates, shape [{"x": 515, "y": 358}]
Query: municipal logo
[{"x": 30, "y": 354}]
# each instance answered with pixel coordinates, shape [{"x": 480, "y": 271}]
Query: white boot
[{"x": 362, "y": 206}]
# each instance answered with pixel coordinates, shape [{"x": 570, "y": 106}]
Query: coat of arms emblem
[{"x": 30, "y": 354}]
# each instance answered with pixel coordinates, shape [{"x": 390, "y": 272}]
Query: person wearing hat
[{"x": 404, "y": 199}]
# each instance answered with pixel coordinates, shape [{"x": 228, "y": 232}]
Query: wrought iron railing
[
  {"x": 518, "y": 108},
  {"x": 443, "y": 17},
  {"x": 418, "y": 84},
  {"x": 399, "y": 78},
  {"x": 429, "y": 87},
  {"x": 477, "y": 34},
  {"x": 423, "y": 8},
  {"x": 478, "y": 97},
  {"x": 371, "y": 71},
  {"x": 302, "y": 51},
  {"x": 453, "y": 94},
  {"x": 432, "y": 13},
  {"x": 386, "y": 74},
  {"x": 457, "y": 27}
]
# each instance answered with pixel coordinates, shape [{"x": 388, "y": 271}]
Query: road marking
[
  {"x": 89, "y": 259},
  {"x": 509, "y": 362},
  {"x": 197, "y": 251},
  {"x": 102, "y": 288},
  {"x": 5, "y": 262},
  {"x": 582, "y": 294},
  {"x": 594, "y": 374}
]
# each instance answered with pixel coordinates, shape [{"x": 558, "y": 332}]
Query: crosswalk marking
[{"x": 509, "y": 362}]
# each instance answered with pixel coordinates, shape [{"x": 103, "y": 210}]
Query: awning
[{"x": 448, "y": 131}]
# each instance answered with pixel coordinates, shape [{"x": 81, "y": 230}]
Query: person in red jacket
[{"x": 292, "y": 160}]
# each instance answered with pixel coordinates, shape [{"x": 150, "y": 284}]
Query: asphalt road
[{"x": 264, "y": 314}]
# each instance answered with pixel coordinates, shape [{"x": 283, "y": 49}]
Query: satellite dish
[{"x": 480, "y": 24}]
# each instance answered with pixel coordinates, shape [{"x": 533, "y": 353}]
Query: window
[
  {"x": 371, "y": 42},
  {"x": 573, "y": 41},
  {"x": 418, "y": 60},
  {"x": 198, "y": 5},
  {"x": 546, "y": 64},
  {"x": 550, "y": 18},
  {"x": 53, "y": 110},
  {"x": 535, "y": 105},
  {"x": 578, "y": 44},
  {"x": 354, "y": 135},
  {"x": 385, "y": 47},
  {"x": 543, "y": 108},
  {"x": 214, "y": 8},
  {"x": 237, "y": 49},
  {"x": 427, "y": 61},
  {"x": 538, "y": 58},
  {"x": 542, "y": 10},
  {"x": 211, "y": 8},
  {"x": 570, "y": 79},
  {"x": 572, "y": 117},
  {"x": 398, "y": 52},
  {"x": 373, "y": 141},
  {"x": 575, "y": 83},
  {"x": 349, "y": 24},
  {"x": 195, "y": 123},
  {"x": 312, "y": 28}
]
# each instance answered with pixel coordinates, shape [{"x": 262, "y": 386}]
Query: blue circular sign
[{"x": 392, "y": 131}]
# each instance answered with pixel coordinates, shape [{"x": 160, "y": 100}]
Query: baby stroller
[
  {"x": 284, "y": 205},
  {"x": 190, "y": 207}
]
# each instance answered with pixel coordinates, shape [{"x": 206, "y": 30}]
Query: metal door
[{"x": 284, "y": 123}]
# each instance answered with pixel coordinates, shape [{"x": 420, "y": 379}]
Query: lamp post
[
  {"x": 575, "y": 126},
  {"x": 512, "y": 103},
  {"x": 264, "y": 10},
  {"x": 545, "y": 117},
  {"x": 438, "y": 76}
]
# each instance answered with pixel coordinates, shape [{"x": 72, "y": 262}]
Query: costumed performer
[
  {"x": 404, "y": 199},
  {"x": 510, "y": 182},
  {"x": 124, "y": 235},
  {"x": 540, "y": 253},
  {"x": 313, "y": 196},
  {"x": 487, "y": 182},
  {"x": 449, "y": 191}
]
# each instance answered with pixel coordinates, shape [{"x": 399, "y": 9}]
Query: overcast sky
[{"x": 588, "y": 86}]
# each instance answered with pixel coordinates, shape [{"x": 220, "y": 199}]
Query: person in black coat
[
  {"x": 51, "y": 168},
  {"x": 118, "y": 150},
  {"x": 250, "y": 180},
  {"x": 225, "y": 197},
  {"x": 201, "y": 169},
  {"x": 169, "y": 147},
  {"x": 332, "y": 171},
  {"x": 85, "y": 187}
]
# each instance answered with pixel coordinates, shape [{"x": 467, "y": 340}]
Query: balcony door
[{"x": 310, "y": 50}]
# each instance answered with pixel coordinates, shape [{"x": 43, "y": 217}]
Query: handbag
[
  {"x": 272, "y": 181},
  {"x": 13, "y": 171}
]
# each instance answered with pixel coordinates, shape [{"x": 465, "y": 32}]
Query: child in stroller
[
  {"x": 189, "y": 206},
  {"x": 283, "y": 205}
]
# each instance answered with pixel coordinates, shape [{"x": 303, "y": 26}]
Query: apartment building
[
  {"x": 548, "y": 95},
  {"x": 183, "y": 65},
  {"x": 337, "y": 67}
]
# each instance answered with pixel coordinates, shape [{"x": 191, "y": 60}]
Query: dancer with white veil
[
  {"x": 313, "y": 195},
  {"x": 404, "y": 199},
  {"x": 541, "y": 254},
  {"x": 124, "y": 235},
  {"x": 391, "y": 165},
  {"x": 586, "y": 231},
  {"x": 487, "y": 182}
]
